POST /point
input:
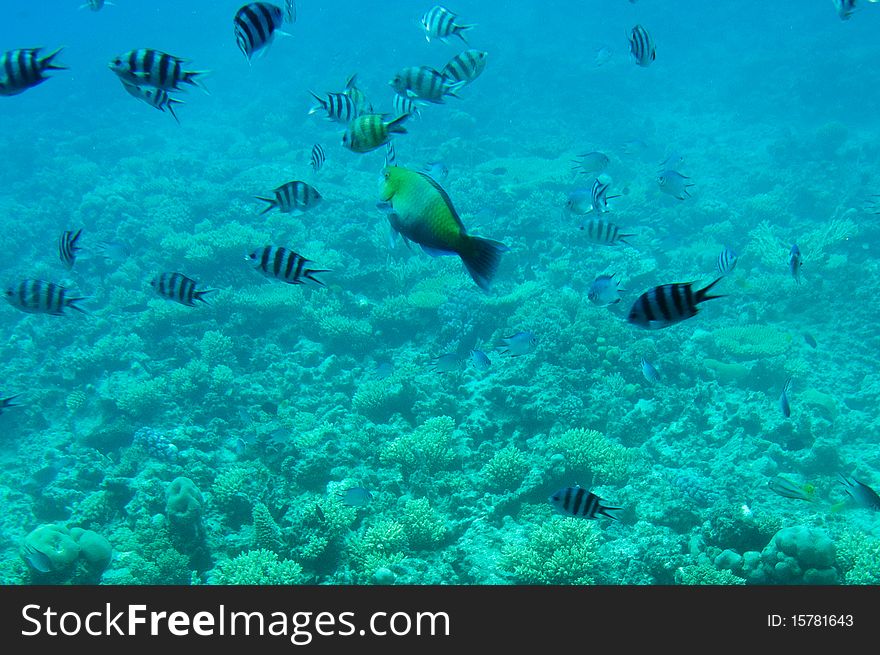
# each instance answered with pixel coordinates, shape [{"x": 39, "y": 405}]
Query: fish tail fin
[
  {"x": 192, "y": 77},
  {"x": 198, "y": 295},
  {"x": 273, "y": 203},
  {"x": 7, "y": 402},
  {"x": 452, "y": 89},
  {"x": 396, "y": 126},
  {"x": 623, "y": 238},
  {"x": 703, "y": 294},
  {"x": 611, "y": 512},
  {"x": 310, "y": 275},
  {"x": 322, "y": 104},
  {"x": 46, "y": 62},
  {"x": 461, "y": 28},
  {"x": 481, "y": 258},
  {"x": 71, "y": 302},
  {"x": 171, "y": 102}
]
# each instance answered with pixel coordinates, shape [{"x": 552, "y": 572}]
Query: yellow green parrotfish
[
  {"x": 369, "y": 131},
  {"x": 421, "y": 211}
]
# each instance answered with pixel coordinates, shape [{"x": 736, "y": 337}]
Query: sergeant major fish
[
  {"x": 155, "y": 68},
  {"x": 599, "y": 196},
  {"x": 6, "y": 403},
  {"x": 439, "y": 22},
  {"x": 24, "y": 69},
  {"x": 339, "y": 107},
  {"x": 67, "y": 247},
  {"x": 641, "y": 45},
  {"x": 357, "y": 96},
  {"x": 40, "y": 297},
  {"x": 784, "y": 404},
  {"x": 154, "y": 97},
  {"x": 317, "y": 158},
  {"x": 425, "y": 83},
  {"x": 577, "y": 501},
  {"x": 283, "y": 264},
  {"x": 370, "y": 131},
  {"x": 604, "y": 233},
  {"x": 256, "y": 24},
  {"x": 179, "y": 288},
  {"x": 726, "y": 261},
  {"x": 292, "y": 198},
  {"x": 403, "y": 105},
  {"x": 465, "y": 66},
  {"x": 668, "y": 304},
  {"x": 421, "y": 211}
]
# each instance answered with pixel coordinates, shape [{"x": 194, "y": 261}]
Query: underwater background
[{"x": 287, "y": 434}]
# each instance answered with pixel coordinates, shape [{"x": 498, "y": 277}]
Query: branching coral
[
  {"x": 428, "y": 447},
  {"x": 506, "y": 470},
  {"x": 258, "y": 567},
  {"x": 590, "y": 450},
  {"x": 705, "y": 574},
  {"x": 423, "y": 526},
  {"x": 559, "y": 552}
]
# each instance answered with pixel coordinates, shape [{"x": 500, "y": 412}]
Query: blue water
[{"x": 277, "y": 399}]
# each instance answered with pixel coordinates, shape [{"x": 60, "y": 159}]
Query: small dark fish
[
  {"x": 604, "y": 232},
  {"x": 283, "y": 264},
  {"x": 383, "y": 370},
  {"x": 788, "y": 489},
  {"x": 650, "y": 373},
  {"x": 592, "y": 163},
  {"x": 861, "y": 493},
  {"x": 37, "y": 559},
  {"x": 155, "y": 68},
  {"x": 339, "y": 107},
  {"x": 439, "y": 22},
  {"x": 668, "y": 304},
  {"x": 292, "y": 198},
  {"x": 317, "y": 159},
  {"x": 23, "y": 69},
  {"x": 577, "y": 501},
  {"x": 179, "y": 288},
  {"x": 320, "y": 513},
  {"x": 355, "y": 497},
  {"x": 6, "y": 403},
  {"x": 675, "y": 184},
  {"x": 811, "y": 342},
  {"x": 67, "y": 247},
  {"x": 726, "y": 261},
  {"x": 783, "y": 399},
  {"x": 446, "y": 363},
  {"x": 480, "y": 360},
  {"x": 154, "y": 97},
  {"x": 795, "y": 262},
  {"x": 40, "y": 297},
  {"x": 604, "y": 291},
  {"x": 518, "y": 344},
  {"x": 641, "y": 45}
]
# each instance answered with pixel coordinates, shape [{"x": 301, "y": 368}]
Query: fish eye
[{"x": 387, "y": 175}]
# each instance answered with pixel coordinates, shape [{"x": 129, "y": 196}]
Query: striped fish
[
  {"x": 599, "y": 197},
  {"x": 577, "y": 501},
  {"x": 726, "y": 261},
  {"x": 179, "y": 288},
  {"x": 390, "y": 155},
  {"x": 22, "y": 69},
  {"x": 285, "y": 265},
  {"x": 604, "y": 233},
  {"x": 403, "y": 105},
  {"x": 255, "y": 26},
  {"x": 317, "y": 159},
  {"x": 292, "y": 198},
  {"x": 157, "y": 98},
  {"x": 465, "y": 66},
  {"x": 67, "y": 247},
  {"x": 650, "y": 373},
  {"x": 357, "y": 96},
  {"x": 370, "y": 131},
  {"x": 641, "y": 45},
  {"x": 425, "y": 83},
  {"x": 339, "y": 107},
  {"x": 439, "y": 22},
  {"x": 149, "y": 67},
  {"x": 668, "y": 304},
  {"x": 784, "y": 404},
  {"x": 40, "y": 297}
]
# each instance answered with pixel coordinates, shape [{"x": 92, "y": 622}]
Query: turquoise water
[{"x": 159, "y": 443}]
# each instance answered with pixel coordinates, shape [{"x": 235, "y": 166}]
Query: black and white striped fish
[
  {"x": 784, "y": 403},
  {"x": 641, "y": 45},
  {"x": 41, "y": 297},
  {"x": 179, "y": 288},
  {"x": 285, "y": 265},
  {"x": 361, "y": 104},
  {"x": 23, "y": 69},
  {"x": 425, "y": 83},
  {"x": 67, "y": 247},
  {"x": 465, "y": 66},
  {"x": 339, "y": 107},
  {"x": 668, "y": 304},
  {"x": 149, "y": 67},
  {"x": 602, "y": 232},
  {"x": 599, "y": 197},
  {"x": 256, "y": 24},
  {"x": 390, "y": 155},
  {"x": 726, "y": 261},
  {"x": 403, "y": 105},
  {"x": 292, "y": 198},
  {"x": 154, "y": 97},
  {"x": 317, "y": 159},
  {"x": 577, "y": 501},
  {"x": 439, "y": 22}
]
